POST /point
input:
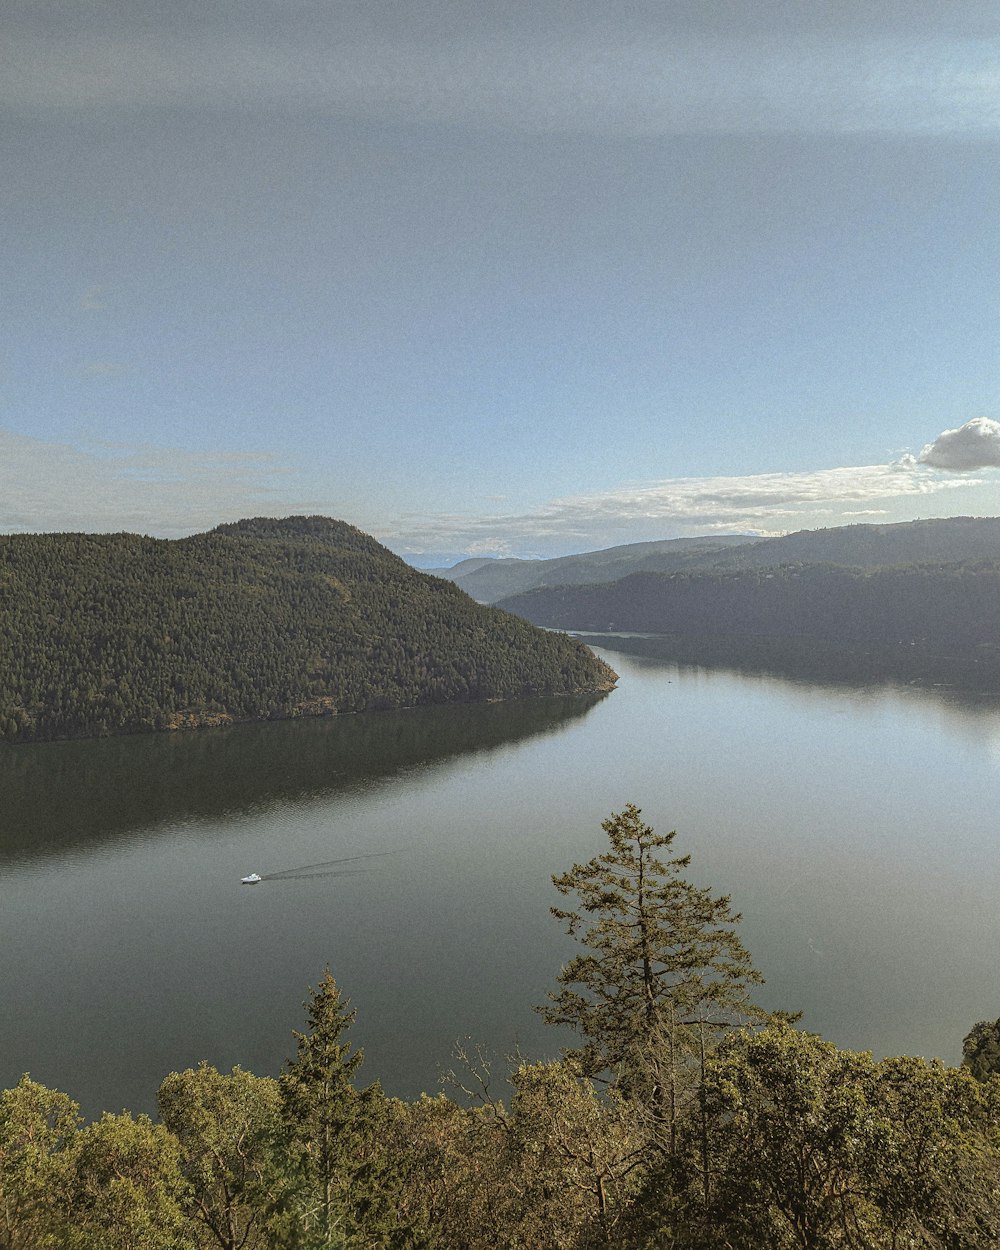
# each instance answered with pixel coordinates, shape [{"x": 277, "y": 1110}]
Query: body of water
[{"x": 412, "y": 852}]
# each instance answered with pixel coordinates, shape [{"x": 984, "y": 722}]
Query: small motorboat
[{"x": 253, "y": 878}]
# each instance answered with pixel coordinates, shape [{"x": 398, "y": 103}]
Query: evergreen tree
[
  {"x": 322, "y": 1110},
  {"x": 342, "y": 1179},
  {"x": 112, "y": 633},
  {"x": 663, "y": 974}
]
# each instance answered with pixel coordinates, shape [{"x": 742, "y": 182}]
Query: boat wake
[
  {"x": 329, "y": 868},
  {"x": 313, "y": 876}
]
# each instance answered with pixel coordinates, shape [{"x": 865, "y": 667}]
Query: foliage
[
  {"x": 578, "y": 1153},
  {"x": 37, "y": 1125},
  {"x": 341, "y": 1180},
  {"x": 794, "y": 1130},
  {"x": 981, "y": 1050},
  {"x": 816, "y": 1148},
  {"x": 126, "y": 1187},
  {"x": 664, "y": 973},
  {"x": 228, "y": 1127},
  {"x": 553, "y": 1164},
  {"x": 457, "y": 1182},
  {"x": 936, "y": 1175}
]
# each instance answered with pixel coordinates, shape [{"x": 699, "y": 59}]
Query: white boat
[{"x": 252, "y": 879}]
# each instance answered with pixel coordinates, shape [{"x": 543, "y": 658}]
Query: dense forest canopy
[{"x": 118, "y": 633}]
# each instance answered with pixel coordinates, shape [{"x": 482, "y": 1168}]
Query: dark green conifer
[
  {"x": 664, "y": 971},
  {"x": 111, "y": 633},
  {"x": 342, "y": 1181},
  {"x": 322, "y": 1110}
]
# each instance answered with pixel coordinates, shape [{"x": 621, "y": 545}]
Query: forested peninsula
[{"x": 260, "y": 619}]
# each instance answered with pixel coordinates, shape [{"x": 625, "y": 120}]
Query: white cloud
[
  {"x": 604, "y": 79},
  {"x": 974, "y": 445},
  {"x": 759, "y": 503},
  {"x": 494, "y": 545}
]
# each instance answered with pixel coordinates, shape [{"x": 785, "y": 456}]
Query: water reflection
[
  {"x": 66, "y": 794},
  {"x": 954, "y": 682}
]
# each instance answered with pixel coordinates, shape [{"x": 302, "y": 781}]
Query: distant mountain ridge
[
  {"x": 866, "y": 546},
  {"x": 260, "y": 619},
  {"x": 488, "y": 580},
  {"x": 856, "y": 546}
]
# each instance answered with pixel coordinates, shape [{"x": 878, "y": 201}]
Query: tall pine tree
[{"x": 663, "y": 974}]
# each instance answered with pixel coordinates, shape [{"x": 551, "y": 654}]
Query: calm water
[{"x": 854, "y": 827}]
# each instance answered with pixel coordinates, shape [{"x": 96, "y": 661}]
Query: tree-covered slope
[
  {"x": 490, "y": 580},
  {"x": 109, "y": 633},
  {"x": 948, "y": 539},
  {"x": 934, "y": 540},
  {"x": 940, "y": 605}
]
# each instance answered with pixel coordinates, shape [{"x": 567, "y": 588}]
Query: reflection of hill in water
[
  {"x": 966, "y": 679},
  {"x": 61, "y": 794}
]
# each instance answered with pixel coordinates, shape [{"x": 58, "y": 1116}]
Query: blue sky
[{"x": 518, "y": 279}]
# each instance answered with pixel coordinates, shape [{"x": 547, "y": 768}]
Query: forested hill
[
  {"x": 932, "y": 541},
  {"x": 490, "y": 580},
  {"x": 936, "y": 605},
  {"x": 117, "y": 633},
  {"x": 939, "y": 539}
]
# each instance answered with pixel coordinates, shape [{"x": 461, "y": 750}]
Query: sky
[{"x": 519, "y": 278}]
